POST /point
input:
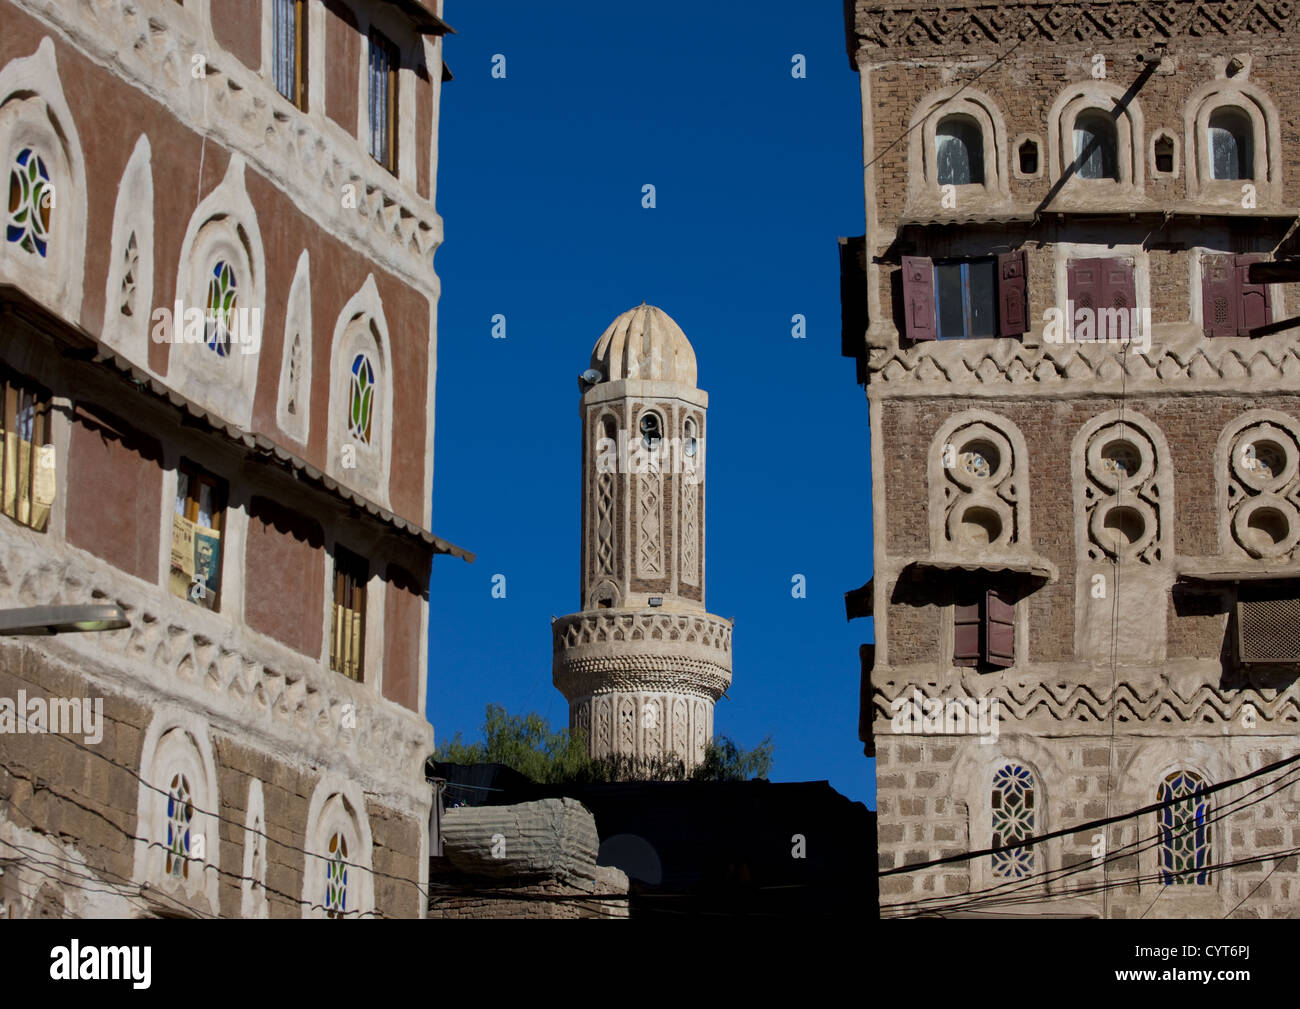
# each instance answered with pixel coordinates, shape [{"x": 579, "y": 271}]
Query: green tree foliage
[
  {"x": 524, "y": 743},
  {"x": 527, "y": 744},
  {"x": 725, "y": 761}
]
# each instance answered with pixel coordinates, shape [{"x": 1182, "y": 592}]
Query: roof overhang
[
  {"x": 1028, "y": 564},
  {"x": 15, "y": 301},
  {"x": 1214, "y": 571},
  {"x": 423, "y": 16},
  {"x": 860, "y": 602}
]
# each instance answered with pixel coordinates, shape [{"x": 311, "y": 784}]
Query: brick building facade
[
  {"x": 250, "y": 480},
  {"x": 1085, "y": 426}
]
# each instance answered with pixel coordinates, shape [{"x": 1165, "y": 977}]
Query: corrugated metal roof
[{"x": 257, "y": 443}]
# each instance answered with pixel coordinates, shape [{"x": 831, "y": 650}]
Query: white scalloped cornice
[
  {"x": 151, "y": 44},
  {"x": 246, "y": 685}
]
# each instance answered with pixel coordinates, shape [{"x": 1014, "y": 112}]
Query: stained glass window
[
  {"x": 1184, "y": 830},
  {"x": 180, "y": 812},
  {"x": 336, "y": 878},
  {"x": 31, "y": 198},
  {"x": 362, "y": 400},
  {"x": 1013, "y": 820},
  {"x": 222, "y": 298}
]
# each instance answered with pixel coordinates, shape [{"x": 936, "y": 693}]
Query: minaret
[{"x": 642, "y": 663}]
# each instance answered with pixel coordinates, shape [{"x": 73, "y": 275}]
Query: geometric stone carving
[
  {"x": 649, "y": 510},
  {"x": 927, "y": 27},
  {"x": 979, "y": 501},
  {"x": 689, "y": 652},
  {"x": 636, "y": 721},
  {"x": 1263, "y": 483},
  {"x": 643, "y": 663},
  {"x": 1154, "y": 706},
  {"x": 1210, "y": 366},
  {"x": 1125, "y": 494}
]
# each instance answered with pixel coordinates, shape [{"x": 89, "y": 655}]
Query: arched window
[
  {"x": 295, "y": 375},
  {"x": 1231, "y": 145},
  {"x": 1096, "y": 147},
  {"x": 180, "y": 811},
  {"x": 1185, "y": 845},
  {"x": 222, "y": 302},
  {"x": 130, "y": 264},
  {"x": 651, "y": 431},
  {"x": 1013, "y": 820},
  {"x": 361, "y": 399},
  {"x": 177, "y": 848},
  {"x": 959, "y": 151},
  {"x": 31, "y": 199},
  {"x": 360, "y": 412},
  {"x": 336, "y": 877}
]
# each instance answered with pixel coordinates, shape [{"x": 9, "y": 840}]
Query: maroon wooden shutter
[
  {"x": 1253, "y": 309},
  {"x": 1013, "y": 293},
  {"x": 1083, "y": 286},
  {"x": 966, "y": 634},
  {"x": 918, "y": 298},
  {"x": 999, "y": 630},
  {"x": 1118, "y": 290},
  {"x": 1220, "y": 298}
]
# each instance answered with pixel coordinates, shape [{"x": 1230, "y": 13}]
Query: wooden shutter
[
  {"x": 918, "y": 298},
  {"x": 1220, "y": 298},
  {"x": 1119, "y": 286},
  {"x": 966, "y": 634},
  {"x": 1084, "y": 287},
  {"x": 999, "y": 630},
  {"x": 1013, "y": 293},
  {"x": 1253, "y": 307}
]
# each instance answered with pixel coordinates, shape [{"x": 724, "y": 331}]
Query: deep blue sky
[{"x": 539, "y": 184}]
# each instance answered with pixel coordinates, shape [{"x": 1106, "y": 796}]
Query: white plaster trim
[
  {"x": 353, "y": 335},
  {"x": 223, "y": 226},
  {"x": 133, "y": 215},
  {"x": 338, "y": 805},
  {"x": 35, "y": 114},
  {"x": 1103, "y": 96},
  {"x": 297, "y": 323},
  {"x": 1265, "y": 132},
  {"x": 178, "y": 741},
  {"x": 253, "y": 902}
]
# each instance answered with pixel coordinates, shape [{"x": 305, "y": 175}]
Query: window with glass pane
[
  {"x": 383, "y": 101},
  {"x": 959, "y": 151},
  {"x": 27, "y": 455},
  {"x": 289, "y": 58},
  {"x": 1184, "y": 830},
  {"x": 1096, "y": 149},
  {"x": 965, "y": 298},
  {"x": 348, "y": 618},
  {"x": 198, "y": 523},
  {"x": 1231, "y": 145}
]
